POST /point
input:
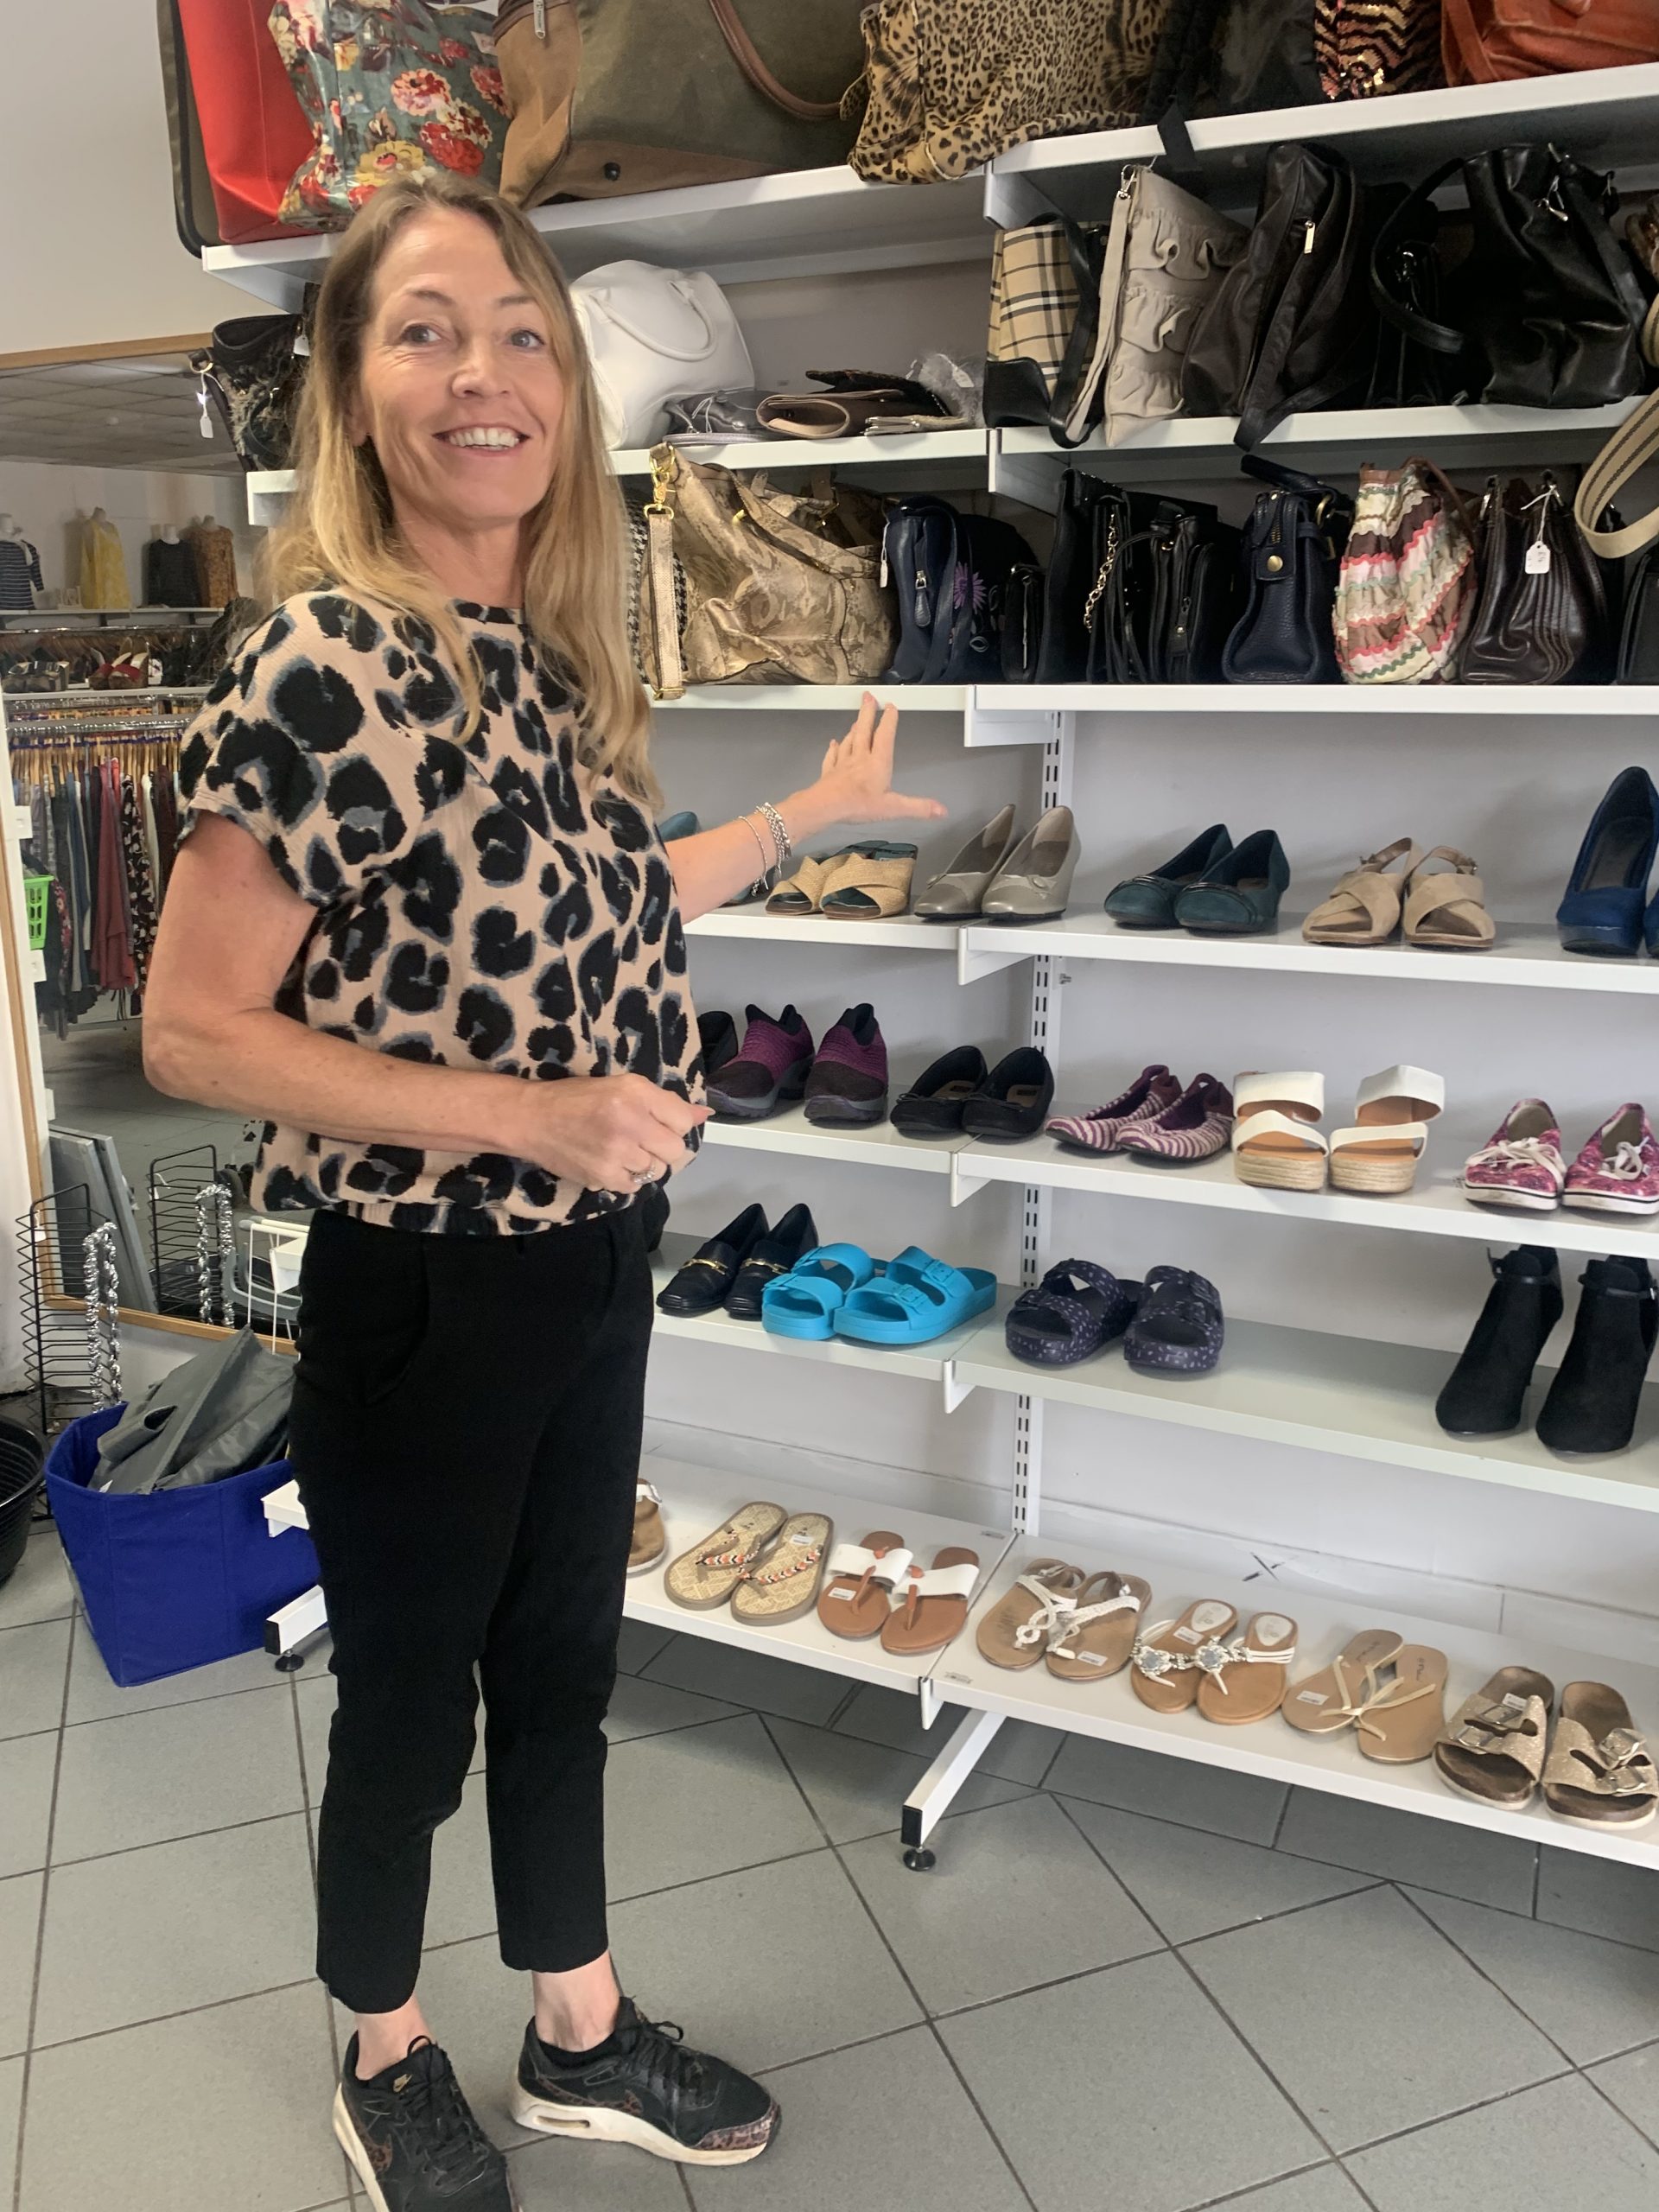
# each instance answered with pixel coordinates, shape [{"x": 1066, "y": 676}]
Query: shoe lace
[
  {"x": 438, "y": 2128},
  {"x": 1626, "y": 1163},
  {"x": 672, "y": 2072},
  {"x": 1520, "y": 1152}
]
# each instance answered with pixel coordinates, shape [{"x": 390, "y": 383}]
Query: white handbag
[{"x": 652, "y": 333}]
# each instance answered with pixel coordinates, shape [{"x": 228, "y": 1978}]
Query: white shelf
[
  {"x": 816, "y": 698},
  {"x": 1271, "y": 1748},
  {"x": 1554, "y": 703},
  {"x": 1353, "y": 1396},
  {"x": 1527, "y": 955},
  {"x": 927, "y": 447},
  {"x": 900, "y": 933},
  {"x": 880, "y": 1147}
]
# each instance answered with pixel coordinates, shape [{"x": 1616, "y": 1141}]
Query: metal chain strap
[
  {"x": 103, "y": 1315},
  {"x": 216, "y": 1251}
]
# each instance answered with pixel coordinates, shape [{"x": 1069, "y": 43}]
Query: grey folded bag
[{"x": 217, "y": 1414}]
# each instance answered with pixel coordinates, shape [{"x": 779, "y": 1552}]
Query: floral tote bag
[{"x": 387, "y": 85}]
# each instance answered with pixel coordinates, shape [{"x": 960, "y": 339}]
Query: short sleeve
[{"x": 307, "y": 741}]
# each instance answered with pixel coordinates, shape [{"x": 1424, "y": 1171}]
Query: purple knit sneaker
[
  {"x": 1152, "y": 1093},
  {"x": 1617, "y": 1171},
  {"x": 769, "y": 1072},
  {"x": 848, "y": 1087},
  {"x": 1196, "y": 1127},
  {"x": 1522, "y": 1164}
]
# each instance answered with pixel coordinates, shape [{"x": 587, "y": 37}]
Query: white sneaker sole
[
  {"x": 1596, "y": 1202},
  {"x": 1484, "y": 1194},
  {"x": 352, "y": 2144},
  {"x": 601, "y": 2124}
]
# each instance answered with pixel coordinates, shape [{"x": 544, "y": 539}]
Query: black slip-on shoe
[
  {"x": 933, "y": 1105},
  {"x": 649, "y": 2090},
  {"x": 412, "y": 2140},
  {"x": 702, "y": 1284},
  {"x": 769, "y": 1257}
]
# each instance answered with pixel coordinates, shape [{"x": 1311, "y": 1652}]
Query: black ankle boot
[
  {"x": 1592, "y": 1403},
  {"x": 1486, "y": 1391}
]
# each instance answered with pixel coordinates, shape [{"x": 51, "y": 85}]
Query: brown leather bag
[
  {"x": 616, "y": 96},
  {"x": 1483, "y": 41},
  {"x": 1542, "y": 613}
]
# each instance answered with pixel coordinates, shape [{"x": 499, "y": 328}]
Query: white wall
[{"x": 50, "y": 501}]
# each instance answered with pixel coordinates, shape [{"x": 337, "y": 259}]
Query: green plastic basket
[{"x": 37, "y": 893}]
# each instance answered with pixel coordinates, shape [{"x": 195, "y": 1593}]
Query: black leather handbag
[
  {"x": 989, "y": 552},
  {"x": 1406, "y": 373},
  {"x": 1195, "y": 562},
  {"x": 1549, "y": 312},
  {"x": 1063, "y": 655},
  {"x": 1021, "y": 631},
  {"x": 1638, "y": 643},
  {"x": 253, "y": 370},
  {"x": 918, "y": 560},
  {"x": 1540, "y": 615},
  {"x": 1293, "y": 546}
]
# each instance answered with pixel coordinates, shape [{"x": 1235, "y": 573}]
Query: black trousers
[{"x": 465, "y": 1435}]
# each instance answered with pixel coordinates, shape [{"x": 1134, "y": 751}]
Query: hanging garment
[
  {"x": 215, "y": 559},
  {"x": 141, "y": 888},
  {"x": 113, "y": 959},
  {"x": 103, "y": 566},
  {"x": 170, "y": 574},
  {"x": 20, "y": 574}
]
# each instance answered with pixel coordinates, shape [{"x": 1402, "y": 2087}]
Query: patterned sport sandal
[
  {"x": 1164, "y": 1661},
  {"x": 784, "y": 1585},
  {"x": 1152, "y": 1093},
  {"x": 1098, "y": 1635},
  {"x": 1016, "y": 1632},
  {"x": 650, "y": 1538},
  {"x": 1599, "y": 1773},
  {"x": 1076, "y": 1309},
  {"x": 1521, "y": 1164},
  {"x": 858, "y": 1596},
  {"x": 1617, "y": 1171},
  {"x": 1243, "y": 1679},
  {"x": 706, "y": 1576},
  {"x": 1177, "y": 1328},
  {"x": 1492, "y": 1748}
]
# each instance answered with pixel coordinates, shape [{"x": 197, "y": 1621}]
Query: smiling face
[{"x": 457, "y": 388}]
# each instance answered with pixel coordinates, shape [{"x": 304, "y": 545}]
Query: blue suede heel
[{"x": 1607, "y": 890}]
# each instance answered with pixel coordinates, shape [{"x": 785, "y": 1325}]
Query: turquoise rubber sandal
[
  {"x": 918, "y": 1297},
  {"x": 804, "y": 1302}
]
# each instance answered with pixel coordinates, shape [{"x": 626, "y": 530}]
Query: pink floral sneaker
[
  {"x": 1521, "y": 1165},
  {"x": 1617, "y": 1171},
  {"x": 1196, "y": 1127},
  {"x": 1152, "y": 1090}
]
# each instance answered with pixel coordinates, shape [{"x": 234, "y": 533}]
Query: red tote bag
[{"x": 252, "y": 130}]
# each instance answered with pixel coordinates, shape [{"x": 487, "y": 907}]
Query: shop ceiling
[{"x": 137, "y": 412}]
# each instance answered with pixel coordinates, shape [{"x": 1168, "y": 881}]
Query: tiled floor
[{"x": 1130, "y": 1981}]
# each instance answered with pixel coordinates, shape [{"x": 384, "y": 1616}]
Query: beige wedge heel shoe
[
  {"x": 1275, "y": 1145},
  {"x": 1377, "y": 1156}
]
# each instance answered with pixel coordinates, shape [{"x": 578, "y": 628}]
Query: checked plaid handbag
[{"x": 1037, "y": 289}]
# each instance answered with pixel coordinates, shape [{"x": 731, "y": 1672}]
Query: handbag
[
  {"x": 1290, "y": 326},
  {"x": 1020, "y": 633},
  {"x": 1073, "y": 565},
  {"x": 781, "y": 585},
  {"x": 218, "y": 1414},
  {"x": 253, "y": 370},
  {"x": 1406, "y": 588},
  {"x": 1039, "y": 275},
  {"x": 650, "y": 332},
  {"x": 386, "y": 87},
  {"x": 1194, "y": 559},
  {"x": 951, "y": 83},
  {"x": 614, "y": 95},
  {"x": 231, "y": 107},
  {"x": 949, "y": 575},
  {"x": 1639, "y": 641},
  {"x": 1364, "y": 49},
  {"x": 1406, "y": 373},
  {"x": 657, "y": 605},
  {"x": 1549, "y": 308},
  {"x": 1542, "y": 613},
  {"x": 1483, "y": 41},
  {"x": 1292, "y": 542}
]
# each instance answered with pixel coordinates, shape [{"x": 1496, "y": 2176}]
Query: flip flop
[
  {"x": 933, "y": 1603},
  {"x": 1016, "y": 1632},
  {"x": 650, "y": 1539},
  {"x": 1165, "y": 1658},
  {"x": 785, "y": 1584},
  {"x": 1324, "y": 1703},
  {"x": 706, "y": 1576},
  {"x": 858, "y": 1597},
  {"x": 804, "y": 1302},
  {"x": 1492, "y": 1748},
  {"x": 1400, "y": 1725},
  {"x": 1244, "y": 1679},
  {"x": 1599, "y": 1773},
  {"x": 1098, "y": 1634},
  {"x": 918, "y": 1297}
]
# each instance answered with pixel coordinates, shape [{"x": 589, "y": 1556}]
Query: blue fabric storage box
[{"x": 178, "y": 1579}]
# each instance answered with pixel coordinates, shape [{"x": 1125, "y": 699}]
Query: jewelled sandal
[
  {"x": 706, "y": 1576},
  {"x": 1244, "y": 1680},
  {"x": 1164, "y": 1661}
]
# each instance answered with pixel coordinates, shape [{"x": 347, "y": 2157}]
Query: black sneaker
[
  {"x": 412, "y": 2138},
  {"x": 652, "y": 2092}
]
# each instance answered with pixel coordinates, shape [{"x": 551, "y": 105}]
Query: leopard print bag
[{"x": 952, "y": 82}]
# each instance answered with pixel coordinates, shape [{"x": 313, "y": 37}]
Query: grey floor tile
[
  {"x": 20, "y": 1928},
  {"x": 1020, "y": 1751},
  {"x": 1126, "y": 2087},
  {"x": 1430, "y": 1854},
  {"x": 40, "y": 1588},
  {"x": 1633, "y": 2082},
  {"x": 461, "y": 1902},
  {"x": 1370, "y": 2018},
  {"x": 748, "y": 1678},
  {"x": 163, "y": 1929},
  {"x": 1558, "y": 2145},
  {"x": 33, "y": 1662},
  {"x": 700, "y": 1802},
  {"x": 766, "y": 1966},
  {"x": 1196, "y": 1797},
  {"x": 889, "y": 2121},
  {"x": 1326, "y": 2188},
  {"x": 858, "y": 1789},
  {"x": 93, "y": 1696},
  {"x": 651, "y": 1708},
  {"x": 1189, "y": 1884},
  {"x": 638, "y": 1645},
  {"x": 477, "y": 2010},
  {"x": 124, "y": 2118},
  {"x": 27, "y": 1767},
  {"x": 1037, "y": 1901},
  {"x": 12, "y": 2109},
  {"x": 565, "y": 2176},
  {"x": 1598, "y": 1897},
  {"x": 1593, "y": 1998},
  {"x": 178, "y": 1771}
]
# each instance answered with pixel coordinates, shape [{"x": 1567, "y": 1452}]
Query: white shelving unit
[
  {"x": 880, "y": 1147},
  {"x": 754, "y": 925}
]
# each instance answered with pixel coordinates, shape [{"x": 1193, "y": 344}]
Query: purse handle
[
  {"x": 652, "y": 340},
  {"x": 748, "y": 61},
  {"x": 1632, "y": 446}
]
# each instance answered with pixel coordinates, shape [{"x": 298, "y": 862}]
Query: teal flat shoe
[
  {"x": 1241, "y": 893},
  {"x": 1147, "y": 902}
]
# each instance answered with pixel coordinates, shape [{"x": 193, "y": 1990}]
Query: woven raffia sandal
[
  {"x": 1164, "y": 1659},
  {"x": 1446, "y": 905},
  {"x": 857, "y": 1595},
  {"x": 871, "y": 884},
  {"x": 1599, "y": 1773},
  {"x": 706, "y": 1576},
  {"x": 1492, "y": 1748},
  {"x": 1016, "y": 1632},
  {"x": 800, "y": 892},
  {"x": 784, "y": 1585},
  {"x": 1364, "y": 907},
  {"x": 1098, "y": 1634},
  {"x": 1243, "y": 1679}
]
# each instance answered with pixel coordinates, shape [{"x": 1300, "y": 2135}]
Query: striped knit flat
[
  {"x": 1196, "y": 1127},
  {"x": 1153, "y": 1092}
]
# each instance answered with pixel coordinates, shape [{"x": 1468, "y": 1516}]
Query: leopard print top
[{"x": 484, "y": 903}]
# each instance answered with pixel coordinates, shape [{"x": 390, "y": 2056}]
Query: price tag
[
  {"x": 37, "y": 966},
  {"x": 24, "y": 820},
  {"x": 1537, "y": 561}
]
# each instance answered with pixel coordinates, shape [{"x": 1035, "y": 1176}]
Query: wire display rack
[
  {"x": 71, "y": 1307},
  {"x": 191, "y": 1243}
]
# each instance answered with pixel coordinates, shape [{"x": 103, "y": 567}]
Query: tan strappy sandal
[
  {"x": 1244, "y": 1679},
  {"x": 706, "y": 1576},
  {"x": 1099, "y": 1633},
  {"x": 783, "y": 1583},
  {"x": 1324, "y": 1704},
  {"x": 1446, "y": 904},
  {"x": 869, "y": 884},
  {"x": 1364, "y": 907},
  {"x": 1599, "y": 1773},
  {"x": 1396, "y": 1720},
  {"x": 858, "y": 1595},
  {"x": 1018, "y": 1630},
  {"x": 1164, "y": 1659},
  {"x": 1492, "y": 1748}
]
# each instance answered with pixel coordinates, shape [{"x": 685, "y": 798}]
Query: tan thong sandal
[
  {"x": 869, "y": 885},
  {"x": 1244, "y": 1679},
  {"x": 1099, "y": 1634},
  {"x": 1403, "y": 1722},
  {"x": 650, "y": 1539},
  {"x": 1599, "y": 1773},
  {"x": 785, "y": 1584},
  {"x": 706, "y": 1576},
  {"x": 1166, "y": 1674},
  {"x": 1016, "y": 1632},
  {"x": 933, "y": 1603},
  {"x": 1322, "y": 1704},
  {"x": 1492, "y": 1748},
  {"x": 858, "y": 1596},
  {"x": 1364, "y": 907},
  {"x": 1446, "y": 905}
]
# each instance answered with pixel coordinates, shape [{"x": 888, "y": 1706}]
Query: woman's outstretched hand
[{"x": 855, "y": 783}]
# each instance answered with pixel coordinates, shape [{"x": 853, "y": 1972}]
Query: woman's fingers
[{"x": 900, "y": 807}]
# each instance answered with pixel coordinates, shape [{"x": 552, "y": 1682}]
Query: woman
[{"x": 424, "y": 924}]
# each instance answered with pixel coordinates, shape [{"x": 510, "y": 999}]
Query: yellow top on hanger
[{"x": 103, "y": 566}]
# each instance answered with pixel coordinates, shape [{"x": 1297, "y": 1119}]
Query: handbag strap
[
  {"x": 1632, "y": 446},
  {"x": 748, "y": 61},
  {"x": 1438, "y": 337},
  {"x": 1463, "y": 31},
  {"x": 1087, "y": 250}
]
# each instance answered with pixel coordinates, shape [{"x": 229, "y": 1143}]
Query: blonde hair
[{"x": 340, "y": 530}]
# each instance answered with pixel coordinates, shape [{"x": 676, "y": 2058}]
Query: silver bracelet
[
  {"x": 780, "y": 836},
  {"x": 766, "y": 862}
]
